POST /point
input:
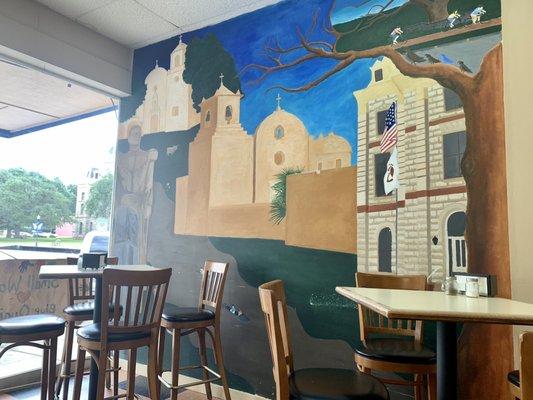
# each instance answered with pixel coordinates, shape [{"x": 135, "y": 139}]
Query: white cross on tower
[
  {"x": 221, "y": 79},
  {"x": 278, "y": 99}
]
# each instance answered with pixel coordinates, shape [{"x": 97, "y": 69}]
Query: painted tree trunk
[{"x": 486, "y": 351}]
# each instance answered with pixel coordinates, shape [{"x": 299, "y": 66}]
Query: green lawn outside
[{"x": 70, "y": 243}]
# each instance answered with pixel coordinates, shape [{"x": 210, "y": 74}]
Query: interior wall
[{"x": 517, "y": 34}]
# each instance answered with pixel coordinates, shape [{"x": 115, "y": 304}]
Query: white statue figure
[
  {"x": 395, "y": 34},
  {"x": 477, "y": 13},
  {"x": 136, "y": 174}
]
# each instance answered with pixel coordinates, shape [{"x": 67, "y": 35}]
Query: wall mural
[{"x": 257, "y": 142}]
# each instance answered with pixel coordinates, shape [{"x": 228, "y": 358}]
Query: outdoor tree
[
  {"x": 483, "y": 164},
  {"x": 98, "y": 204},
  {"x": 25, "y": 195}
]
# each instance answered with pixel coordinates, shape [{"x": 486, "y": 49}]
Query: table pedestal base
[{"x": 446, "y": 361}]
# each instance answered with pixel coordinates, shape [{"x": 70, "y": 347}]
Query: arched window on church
[
  {"x": 229, "y": 114},
  {"x": 279, "y": 132},
  {"x": 207, "y": 117}
]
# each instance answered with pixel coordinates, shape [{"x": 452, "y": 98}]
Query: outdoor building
[
  {"x": 85, "y": 223},
  {"x": 429, "y": 210}
]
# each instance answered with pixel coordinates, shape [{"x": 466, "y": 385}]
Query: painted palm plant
[{"x": 278, "y": 205}]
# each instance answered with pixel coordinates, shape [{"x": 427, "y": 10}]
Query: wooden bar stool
[
  {"x": 182, "y": 321},
  {"x": 308, "y": 383},
  {"x": 143, "y": 294},
  {"x": 395, "y": 345},
  {"x": 27, "y": 331},
  {"x": 80, "y": 309}
]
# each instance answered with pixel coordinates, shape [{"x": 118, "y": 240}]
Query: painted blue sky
[
  {"x": 329, "y": 107},
  {"x": 347, "y": 10}
]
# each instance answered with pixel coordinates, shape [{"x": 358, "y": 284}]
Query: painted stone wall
[{"x": 254, "y": 142}]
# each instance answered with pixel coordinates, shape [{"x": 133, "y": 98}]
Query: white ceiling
[
  {"x": 137, "y": 23},
  {"x": 29, "y": 97}
]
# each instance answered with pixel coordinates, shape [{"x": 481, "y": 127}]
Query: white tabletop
[
  {"x": 438, "y": 306},
  {"x": 73, "y": 271}
]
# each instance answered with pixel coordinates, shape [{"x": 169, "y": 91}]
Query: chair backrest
[
  {"x": 141, "y": 295},
  {"x": 212, "y": 287},
  {"x": 371, "y": 322},
  {"x": 274, "y": 306},
  {"x": 82, "y": 289},
  {"x": 526, "y": 365}
]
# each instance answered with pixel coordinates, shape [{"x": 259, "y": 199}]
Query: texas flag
[{"x": 390, "y": 180}]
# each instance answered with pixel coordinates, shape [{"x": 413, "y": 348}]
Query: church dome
[
  {"x": 281, "y": 123},
  {"x": 156, "y": 75},
  {"x": 334, "y": 143}
]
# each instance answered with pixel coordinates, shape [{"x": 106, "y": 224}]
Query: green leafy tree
[
  {"x": 25, "y": 195},
  {"x": 98, "y": 204},
  {"x": 278, "y": 206},
  {"x": 205, "y": 60}
]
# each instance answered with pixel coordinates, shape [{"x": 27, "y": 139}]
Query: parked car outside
[{"x": 95, "y": 242}]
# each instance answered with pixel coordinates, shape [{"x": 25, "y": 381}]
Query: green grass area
[{"x": 72, "y": 243}]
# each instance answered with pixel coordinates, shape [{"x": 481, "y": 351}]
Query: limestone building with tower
[{"x": 419, "y": 229}]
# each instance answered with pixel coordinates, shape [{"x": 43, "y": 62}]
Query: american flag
[{"x": 390, "y": 135}]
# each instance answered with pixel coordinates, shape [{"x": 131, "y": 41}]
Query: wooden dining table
[
  {"x": 447, "y": 311},
  {"x": 73, "y": 271}
]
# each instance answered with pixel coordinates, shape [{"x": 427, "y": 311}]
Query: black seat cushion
[
  {"x": 397, "y": 351},
  {"x": 173, "y": 313},
  {"x": 39, "y": 323},
  {"x": 86, "y": 309},
  {"x": 335, "y": 384},
  {"x": 514, "y": 378},
  {"x": 92, "y": 332}
]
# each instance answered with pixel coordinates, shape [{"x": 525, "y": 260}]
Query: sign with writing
[{"x": 23, "y": 293}]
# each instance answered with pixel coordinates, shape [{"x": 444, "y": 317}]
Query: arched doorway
[
  {"x": 456, "y": 243},
  {"x": 385, "y": 250}
]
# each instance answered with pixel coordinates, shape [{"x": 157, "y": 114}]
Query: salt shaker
[{"x": 472, "y": 287}]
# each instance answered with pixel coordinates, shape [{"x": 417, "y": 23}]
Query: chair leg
[
  {"x": 152, "y": 371},
  {"x": 220, "y": 362},
  {"x": 203, "y": 361},
  {"x": 160, "y": 355},
  {"x": 44, "y": 371},
  {"x": 175, "y": 367},
  {"x": 108, "y": 367},
  {"x": 432, "y": 386},
  {"x": 132, "y": 362},
  {"x": 66, "y": 361},
  {"x": 102, "y": 365},
  {"x": 80, "y": 366},
  {"x": 52, "y": 368},
  {"x": 418, "y": 382},
  {"x": 116, "y": 357}
]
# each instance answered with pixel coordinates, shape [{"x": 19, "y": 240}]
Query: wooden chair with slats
[
  {"x": 521, "y": 381},
  {"x": 308, "y": 383},
  {"x": 204, "y": 319},
  {"x": 141, "y": 295},
  {"x": 80, "y": 309},
  {"x": 391, "y": 345}
]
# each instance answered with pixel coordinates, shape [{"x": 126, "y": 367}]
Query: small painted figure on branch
[
  {"x": 452, "y": 18},
  {"x": 395, "y": 34},
  {"x": 477, "y": 13}
]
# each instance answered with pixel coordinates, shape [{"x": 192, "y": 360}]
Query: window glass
[
  {"x": 381, "y": 116},
  {"x": 99, "y": 244},
  {"x": 378, "y": 75},
  {"x": 380, "y": 166},
  {"x": 452, "y": 101},
  {"x": 279, "y": 132},
  {"x": 454, "y": 145}
]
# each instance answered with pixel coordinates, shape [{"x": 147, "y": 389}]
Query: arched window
[
  {"x": 208, "y": 116},
  {"x": 385, "y": 250},
  {"x": 279, "y": 132},
  {"x": 229, "y": 113},
  {"x": 279, "y": 158},
  {"x": 456, "y": 243}
]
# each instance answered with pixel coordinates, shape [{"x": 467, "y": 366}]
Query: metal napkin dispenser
[{"x": 93, "y": 260}]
